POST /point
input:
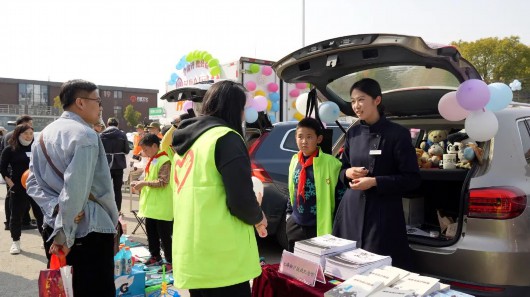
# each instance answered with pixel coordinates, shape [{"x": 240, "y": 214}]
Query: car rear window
[
  {"x": 524, "y": 133},
  {"x": 289, "y": 141},
  {"x": 396, "y": 77}
]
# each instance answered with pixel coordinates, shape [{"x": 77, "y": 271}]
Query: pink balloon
[
  {"x": 272, "y": 87},
  {"x": 248, "y": 103},
  {"x": 266, "y": 70},
  {"x": 250, "y": 85},
  {"x": 450, "y": 109},
  {"x": 294, "y": 93},
  {"x": 259, "y": 103},
  {"x": 301, "y": 86},
  {"x": 473, "y": 94},
  {"x": 187, "y": 105}
]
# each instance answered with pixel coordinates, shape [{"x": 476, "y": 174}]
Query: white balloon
[
  {"x": 301, "y": 103},
  {"x": 257, "y": 186},
  {"x": 481, "y": 125}
]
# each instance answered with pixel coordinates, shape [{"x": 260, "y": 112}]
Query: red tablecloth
[{"x": 271, "y": 283}]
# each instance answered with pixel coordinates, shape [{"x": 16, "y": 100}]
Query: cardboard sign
[{"x": 301, "y": 269}]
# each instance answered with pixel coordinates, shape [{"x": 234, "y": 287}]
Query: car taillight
[
  {"x": 258, "y": 170},
  {"x": 499, "y": 203}
]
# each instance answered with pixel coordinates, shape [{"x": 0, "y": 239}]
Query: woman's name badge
[{"x": 375, "y": 152}]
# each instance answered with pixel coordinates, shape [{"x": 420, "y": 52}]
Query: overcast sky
[{"x": 138, "y": 43}]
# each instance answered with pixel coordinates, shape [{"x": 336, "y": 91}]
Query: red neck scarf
[
  {"x": 303, "y": 175},
  {"x": 151, "y": 159}
]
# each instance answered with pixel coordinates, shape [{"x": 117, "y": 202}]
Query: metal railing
[
  {"x": 12, "y": 109},
  {"x": 15, "y": 109}
]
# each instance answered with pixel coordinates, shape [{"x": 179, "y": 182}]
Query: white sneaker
[{"x": 15, "y": 248}]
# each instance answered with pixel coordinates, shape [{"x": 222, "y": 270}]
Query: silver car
[{"x": 487, "y": 252}]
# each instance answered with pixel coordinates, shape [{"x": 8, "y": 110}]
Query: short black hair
[
  {"x": 70, "y": 90},
  {"x": 23, "y": 119},
  {"x": 311, "y": 124},
  {"x": 149, "y": 139},
  {"x": 113, "y": 122},
  {"x": 372, "y": 88}
]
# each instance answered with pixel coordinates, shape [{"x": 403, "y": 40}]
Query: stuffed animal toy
[
  {"x": 423, "y": 158},
  {"x": 470, "y": 154},
  {"x": 435, "y": 136},
  {"x": 436, "y": 152}
]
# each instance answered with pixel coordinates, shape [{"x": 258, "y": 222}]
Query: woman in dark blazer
[{"x": 379, "y": 164}]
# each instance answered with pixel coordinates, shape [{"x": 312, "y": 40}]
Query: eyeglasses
[{"x": 94, "y": 99}]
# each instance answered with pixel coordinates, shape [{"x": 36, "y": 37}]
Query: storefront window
[
  {"x": 117, "y": 111},
  {"x": 32, "y": 95},
  {"x": 117, "y": 94}
]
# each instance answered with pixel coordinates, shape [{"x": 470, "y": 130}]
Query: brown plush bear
[
  {"x": 423, "y": 158},
  {"x": 435, "y": 136}
]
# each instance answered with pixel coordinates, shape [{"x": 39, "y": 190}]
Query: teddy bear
[
  {"x": 436, "y": 152},
  {"x": 423, "y": 158},
  {"x": 435, "y": 136}
]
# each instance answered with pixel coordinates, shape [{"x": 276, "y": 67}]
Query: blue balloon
[
  {"x": 272, "y": 117},
  {"x": 329, "y": 112},
  {"x": 174, "y": 77},
  {"x": 469, "y": 154},
  {"x": 251, "y": 115},
  {"x": 171, "y": 82},
  {"x": 500, "y": 96},
  {"x": 275, "y": 106},
  {"x": 275, "y": 97}
]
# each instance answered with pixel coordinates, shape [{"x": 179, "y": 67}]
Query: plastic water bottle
[
  {"x": 127, "y": 260},
  {"x": 118, "y": 262}
]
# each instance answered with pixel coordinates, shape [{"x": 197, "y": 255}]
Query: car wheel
[{"x": 281, "y": 233}]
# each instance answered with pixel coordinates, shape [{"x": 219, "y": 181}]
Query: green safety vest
[
  {"x": 156, "y": 203},
  {"x": 211, "y": 247},
  {"x": 326, "y": 170}
]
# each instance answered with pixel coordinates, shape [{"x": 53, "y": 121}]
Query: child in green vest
[
  {"x": 313, "y": 179},
  {"x": 156, "y": 200}
]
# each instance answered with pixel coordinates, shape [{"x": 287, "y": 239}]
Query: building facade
[{"x": 36, "y": 98}]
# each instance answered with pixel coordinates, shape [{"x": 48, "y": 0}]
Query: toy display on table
[
  {"x": 423, "y": 159},
  {"x": 472, "y": 153}
]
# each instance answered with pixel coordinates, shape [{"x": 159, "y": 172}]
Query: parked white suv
[{"x": 489, "y": 254}]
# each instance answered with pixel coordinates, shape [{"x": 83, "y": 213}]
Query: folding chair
[{"x": 140, "y": 220}]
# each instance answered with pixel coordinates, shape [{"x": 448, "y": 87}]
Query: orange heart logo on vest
[{"x": 185, "y": 163}]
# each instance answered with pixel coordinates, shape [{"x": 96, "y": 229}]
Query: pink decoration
[
  {"x": 259, "y": 103},
  {"x": 450, "y": 109},
  {"x": 187, "y": 105},
  {"x": 294, "y": 93},
  {"x": 301, "y": 86},
  {"x": 272, "y": 87},
  {"x": 250, "y": 85},
  {"x": 266, "y": 70}
]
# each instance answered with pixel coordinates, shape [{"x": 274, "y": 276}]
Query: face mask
[{"x": 23, "y": 141}]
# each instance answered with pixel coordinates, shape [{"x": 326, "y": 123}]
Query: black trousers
[
  {"x": 92, "y": 261},
  {"x": 296, "y": 232},
  {"x": 158, "y": 230},
  {"x": 19, "y": 203},
  {"x": 238, "y": 290},
  {"x": 117, "y": 182},
  {"x": 26, "y": 220}
]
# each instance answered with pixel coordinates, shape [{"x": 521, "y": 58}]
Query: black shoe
[{"x": 28, "y": 227}]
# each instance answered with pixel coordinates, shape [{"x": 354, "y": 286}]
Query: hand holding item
[
  {"x": 363, "y": 183},
  {"x": 138, "y": 185},
  {"x": 356, "y": 172},
  {"x": 261, "y": 227},
  {"x": 56, "y": 248}
]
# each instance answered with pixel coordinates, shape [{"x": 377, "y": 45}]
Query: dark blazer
[
  {"x": 116, "y": 147},
  {"x": 374, "y": 218}
]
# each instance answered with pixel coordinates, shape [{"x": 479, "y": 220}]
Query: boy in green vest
[
  {"x": 313, "y": 179},
  {"x": 156, "y": 200}
]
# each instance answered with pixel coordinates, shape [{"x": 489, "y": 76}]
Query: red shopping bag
[{"x": 56, "y": 281}]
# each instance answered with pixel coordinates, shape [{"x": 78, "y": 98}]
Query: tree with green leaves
[
  {"x": 131, "y": 116},
  {"x": 498, "y": 60},
  {"x": 57, "y": 103}
]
